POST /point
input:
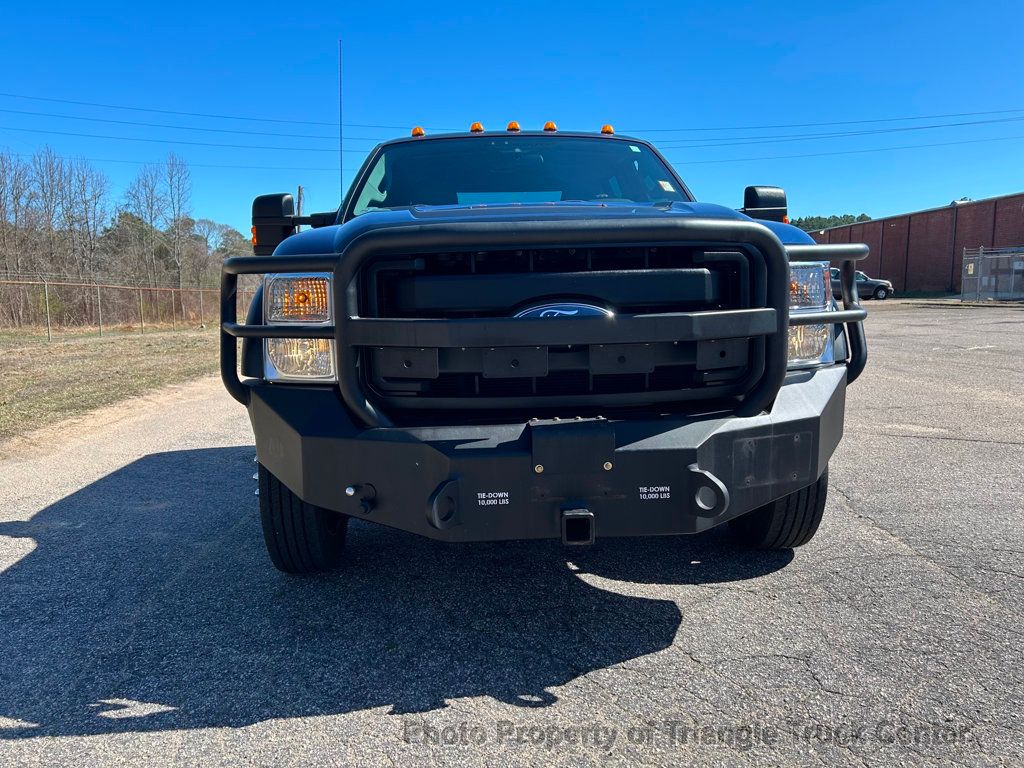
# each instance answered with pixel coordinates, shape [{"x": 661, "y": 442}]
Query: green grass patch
[{"x": 44, "y": 383}]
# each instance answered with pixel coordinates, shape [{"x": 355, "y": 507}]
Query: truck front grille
[{"x": 643, "y": 285}]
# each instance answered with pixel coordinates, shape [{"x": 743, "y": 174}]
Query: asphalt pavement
[{"x": 142, "y": 624}]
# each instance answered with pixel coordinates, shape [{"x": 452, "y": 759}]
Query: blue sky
[{"x": 658, "y": 70}]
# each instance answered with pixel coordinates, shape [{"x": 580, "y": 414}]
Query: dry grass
[{"x": 44, "y": 383}]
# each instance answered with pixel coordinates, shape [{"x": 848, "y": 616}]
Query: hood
[{"x": 326, "y": 239}]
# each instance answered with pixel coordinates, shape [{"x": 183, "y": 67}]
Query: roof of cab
[{"x": 494, "y": 134}]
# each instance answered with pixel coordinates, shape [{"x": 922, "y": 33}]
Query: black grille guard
[{"x": 770, "y": 321}]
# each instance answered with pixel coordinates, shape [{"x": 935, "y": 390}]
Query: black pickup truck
[{"x": 517, "y": 335}]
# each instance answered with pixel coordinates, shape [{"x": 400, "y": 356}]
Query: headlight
[
  {"x": 298, "y": 299},
  {"x": 299, "y": 360},
  {"x": 810, "y": 290}
]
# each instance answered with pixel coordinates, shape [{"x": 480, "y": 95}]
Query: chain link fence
[
  {"x": 993, "y": 273},
  {"x": 37, "y": 304}
]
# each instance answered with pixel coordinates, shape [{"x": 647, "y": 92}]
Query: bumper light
[{"x": 810, "y": 290}]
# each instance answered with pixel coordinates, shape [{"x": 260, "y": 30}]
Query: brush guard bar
[{"x": 350, "y": 332}]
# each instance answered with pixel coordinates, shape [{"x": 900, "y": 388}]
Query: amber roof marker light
[
  {"x": 550, "y": 126},
  {"x": 513, "y": 127},
  {"x": 418, "y": 131},
  {"x": 476, "y": 128},
  {"x": 607, "y": 130}
]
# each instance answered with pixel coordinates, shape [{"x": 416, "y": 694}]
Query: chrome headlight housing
[
  {"x": 298, "y": 299},
  {"x": 810, "y": 290}
]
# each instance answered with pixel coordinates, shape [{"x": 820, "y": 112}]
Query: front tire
[
  {"x": 300, "y": 537},
  {"x": 881, "y": 294},
  {"x": 788, "y": 522}
]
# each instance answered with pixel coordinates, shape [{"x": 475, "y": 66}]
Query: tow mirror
[
  {"x": 767, "y": 203},
  {"x": 272, "y": 221}
]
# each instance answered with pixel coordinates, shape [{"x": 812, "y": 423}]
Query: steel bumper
[{"x": 517, "y": 481}]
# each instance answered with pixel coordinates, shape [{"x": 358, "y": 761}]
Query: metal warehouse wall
[{"x": 924, "y": 251}]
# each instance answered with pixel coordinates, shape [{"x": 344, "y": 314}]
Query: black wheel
[
  {"x": 881, "y": 293},
  {"x": 787, "y": 522},
  {"x": 300, "y": 537}
]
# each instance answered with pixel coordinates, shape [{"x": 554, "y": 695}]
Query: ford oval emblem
[{"x": 565, "y": 309}]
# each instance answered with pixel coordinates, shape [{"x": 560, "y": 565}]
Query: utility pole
[{"x": 341, "y": 143}]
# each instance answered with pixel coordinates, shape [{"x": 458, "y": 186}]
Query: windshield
[{"x": 515, "y": 169}]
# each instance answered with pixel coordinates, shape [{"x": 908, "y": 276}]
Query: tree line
[
  {"x": 814, "y": 223},
  {"x": 59, "y": 218}
]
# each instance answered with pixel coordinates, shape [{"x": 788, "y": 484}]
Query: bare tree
[
  {"x": 86, "y": 214},
  {"x": 49, "y": 182},
  {"x": 15, "y": 201},
  {"x": 56, "y": 220},
  {"x": 145, "y": 200},
  {"x": 178, "y": 191},
  {"x": 210, "y": 235}
]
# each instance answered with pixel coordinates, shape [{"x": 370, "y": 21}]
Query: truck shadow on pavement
[{"x": 148, "y": 604}]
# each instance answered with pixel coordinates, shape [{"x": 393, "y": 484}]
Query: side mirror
[
  {"x": 272, "y": 221},
  {"x": 767, "y": 203}
]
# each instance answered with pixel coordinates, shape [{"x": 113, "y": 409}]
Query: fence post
[
  {"x": 46, "y": 300},
  {"x": 173, "y": 327},
  {"x": 142, "y": 315},
  {"x": 200, "y": 306},
  {"x": 981, "y": 269},
  {"x": 99, "y": 309}
]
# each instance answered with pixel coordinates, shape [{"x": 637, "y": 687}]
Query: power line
[
  {"x": 435, "y": 128},
  {"x": 190, "y": 164},
  {"x": 206, "y": 114},
  {"x": 839, "y": 134},
  {"x": 727, "y": 140},
  {"x": 179, "y": 141},
  {"x": 740, "y": 142},
  {"x": 181, "y": 127},
  {"x": 844, "y": 152},
  {"x": 820, "y": 125}
]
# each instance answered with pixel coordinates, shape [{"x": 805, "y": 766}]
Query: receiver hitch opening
[{"x": 577, "y": 527}]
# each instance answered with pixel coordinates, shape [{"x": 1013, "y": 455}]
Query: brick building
[{"x": 923, "y": 251}]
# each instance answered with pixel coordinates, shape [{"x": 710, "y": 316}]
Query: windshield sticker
[
  {"x": 666, "y": 186},
  {"x": 634, "y": 147}
]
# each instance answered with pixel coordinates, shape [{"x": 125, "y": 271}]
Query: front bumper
[{"x": 516, "y": 481}]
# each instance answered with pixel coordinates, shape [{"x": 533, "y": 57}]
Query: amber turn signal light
[
  {"x": 607, "y": 129},
  {"x": 476, "y": 128},
  {"x": 417, "y": 131},
  {"x": 550, "y": 126},
  {"x": 513, "y": 127},
  {"x": 254, "y": 236},
  {"x": 297, "y": 299}
]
